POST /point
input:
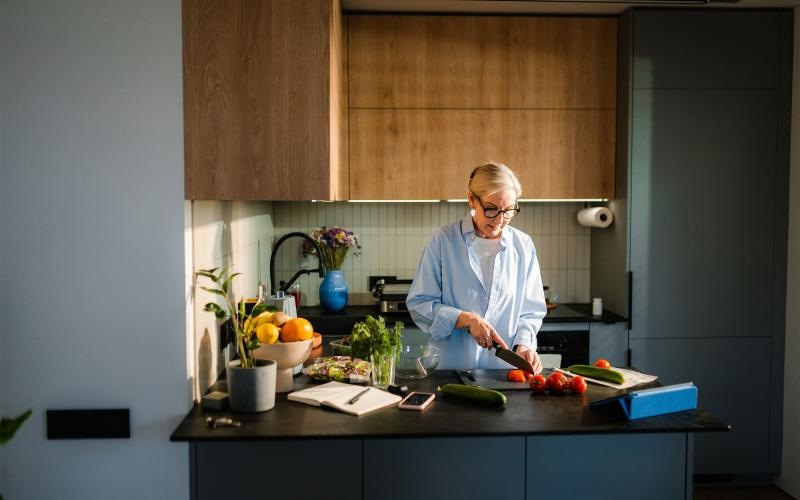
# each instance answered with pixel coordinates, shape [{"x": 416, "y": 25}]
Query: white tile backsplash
[{"x": 393, "y": 236}]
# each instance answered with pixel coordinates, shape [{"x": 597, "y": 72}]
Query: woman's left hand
[{"x": 531, "y": 356}]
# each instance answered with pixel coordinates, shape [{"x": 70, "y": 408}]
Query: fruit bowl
[
  {"x": 417, "y": 361},
  {"x": 287, "y": 355}
]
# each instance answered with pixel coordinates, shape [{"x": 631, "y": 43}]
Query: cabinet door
[
  {"x": 260, "y": 98},
  {"x": 444, "y": 468},
  {"x": 470, "y": 62},
  {"x": 692, "y": 49},
  {"x": 432, "y": 97},
  {"x": 277, "y": 469},
  {"x": 428, "y": 154},
  {"x": 702, "y": 212},
  {"x": 609, "y": 341},
  {"x": 733, "y": 384}
]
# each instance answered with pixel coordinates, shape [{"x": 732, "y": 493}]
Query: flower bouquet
[{"x": 334, "y": 244}]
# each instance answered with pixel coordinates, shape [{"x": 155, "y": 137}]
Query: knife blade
[
  {"x": 466, "y": 377},
  {"x": 513, "y": 358}
]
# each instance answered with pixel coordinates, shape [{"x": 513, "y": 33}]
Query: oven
[{"x": 570, "y": 340}]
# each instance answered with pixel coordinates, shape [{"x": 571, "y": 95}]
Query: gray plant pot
[{"x": 251, "y": 390}]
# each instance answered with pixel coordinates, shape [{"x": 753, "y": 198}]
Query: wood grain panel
[
  {"x": 257, "y": 99},
  {"x": 482, "y": 62},
  {"x": 428, "y": 154}
]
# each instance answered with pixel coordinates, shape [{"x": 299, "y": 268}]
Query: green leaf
[
  {"x": 221, "y": 274},
  {"x": 253, "y": 344},
  {"x": 9, "y": 427},
  {"x": 212, "y": 307},
  {"x": 257, "y": 309},
  {"x": 227, "y": 283},
  {"x": 207, "y": 274},
  {"x": 215, "y": 291},
  {"x": 271, "y": 309},
  {"x": 220, "y": 314}
]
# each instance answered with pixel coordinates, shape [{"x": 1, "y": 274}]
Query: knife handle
[{"x": 400, "y": 390}]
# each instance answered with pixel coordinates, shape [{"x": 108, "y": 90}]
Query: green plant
[
  {"x": 240, "y": 321},
  {"x": 372, "y": 340},
  {"x": 9, "y": 427}
]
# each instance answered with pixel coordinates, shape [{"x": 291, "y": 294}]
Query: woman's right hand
[{"x": 481, "y": 330}]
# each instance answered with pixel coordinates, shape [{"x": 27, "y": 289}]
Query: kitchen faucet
[{"x": 284, "y": 285}]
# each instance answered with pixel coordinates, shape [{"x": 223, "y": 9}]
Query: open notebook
[{"x": 337, "y": 395}]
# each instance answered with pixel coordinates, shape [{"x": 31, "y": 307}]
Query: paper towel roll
[{"x": 595, "y": 217}]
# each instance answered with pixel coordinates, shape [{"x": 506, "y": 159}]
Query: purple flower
[{"x": 334, "y": 243}]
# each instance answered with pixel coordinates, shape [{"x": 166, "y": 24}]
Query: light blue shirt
[{"x": 449, "y": 280}]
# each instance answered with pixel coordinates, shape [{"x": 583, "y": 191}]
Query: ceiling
[{"x": 538, "y": 7}]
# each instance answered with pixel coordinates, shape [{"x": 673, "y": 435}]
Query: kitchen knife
[{"x": 513, "y": 358}]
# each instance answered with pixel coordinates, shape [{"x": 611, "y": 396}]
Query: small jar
[{"x": 597, "y": 306}]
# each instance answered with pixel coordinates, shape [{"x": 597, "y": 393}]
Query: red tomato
[
  {"x": 602, "y": 363},
  {"x": 577, "y": 384},
  {"x": 556, "y": 382},
  {"x": 529, "y": 376},
  {"x": 538, "y": 383},
  {"x": 515, "y": 376}
]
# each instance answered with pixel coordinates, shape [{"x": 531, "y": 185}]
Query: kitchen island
[{"x": 537, "y": 446}]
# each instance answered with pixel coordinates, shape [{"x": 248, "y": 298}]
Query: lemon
[
  {"x": 268, "y": 333},
  {"x": 263, "y": 318}
]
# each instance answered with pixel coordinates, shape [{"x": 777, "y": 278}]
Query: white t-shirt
[{"x": 487, "y": 250}]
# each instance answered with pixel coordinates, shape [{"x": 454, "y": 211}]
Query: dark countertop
[
  {"x": 342, "y": 322},
  {"x": 525, "y": 414}
]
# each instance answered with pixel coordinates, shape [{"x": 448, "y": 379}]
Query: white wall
[
  {"x": 91, "y": 200},
  {"x": 2, "y": 326},
  {"x": 789, "y": 479},
  {"x": 236, "y": 235}
]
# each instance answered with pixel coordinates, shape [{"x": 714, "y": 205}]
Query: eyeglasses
[{"x": 492, "y": 212}]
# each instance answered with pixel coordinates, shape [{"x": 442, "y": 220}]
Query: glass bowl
[
  {"x": 340, "y": 347},
  {"x": 417, "y": 361}
]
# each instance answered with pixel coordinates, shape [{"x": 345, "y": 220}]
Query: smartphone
[{"x": 417, "y": 401}]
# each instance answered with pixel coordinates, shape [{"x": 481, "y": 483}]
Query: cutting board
[{"x": 491, "y": 379}]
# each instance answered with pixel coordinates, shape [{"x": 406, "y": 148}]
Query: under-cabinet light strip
[{"x": 463, "y": 200}]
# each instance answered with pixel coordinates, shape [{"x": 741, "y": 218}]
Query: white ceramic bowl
[{"x": 287, "y": 355}]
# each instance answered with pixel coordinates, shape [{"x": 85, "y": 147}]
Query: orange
[{"x": 296, "y": 329}]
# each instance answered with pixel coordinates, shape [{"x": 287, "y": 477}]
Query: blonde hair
[{"x": 493, "y": 177}]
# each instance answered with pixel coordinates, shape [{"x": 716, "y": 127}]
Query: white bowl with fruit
[{"x": 285, "y": 340}]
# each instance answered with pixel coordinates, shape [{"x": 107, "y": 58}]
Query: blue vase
[{"x": 333, "y": 291}]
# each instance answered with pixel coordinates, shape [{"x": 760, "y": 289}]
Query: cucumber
[
  {"x": 599, "y": 373},
  {"x": 485, "y": 397}
]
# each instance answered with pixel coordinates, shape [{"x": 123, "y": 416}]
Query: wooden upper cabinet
[
  {"x": 432, "y": 97},
  {"x": 482, "y": 62},
  {"x": 264, "y": 100},
  {"x": 429, "y": 154}
]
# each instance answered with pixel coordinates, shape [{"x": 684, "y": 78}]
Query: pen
[{"x": 358, "y": 396}]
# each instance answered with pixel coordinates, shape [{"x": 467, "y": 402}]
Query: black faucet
[{"x": 284, "y": 285}]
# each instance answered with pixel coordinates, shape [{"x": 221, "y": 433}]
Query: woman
[{"x": 478, "y": 281}]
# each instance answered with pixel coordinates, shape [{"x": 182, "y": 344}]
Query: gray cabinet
[
  {"x": 702, "y": 216},
  {"x": 719, "y": 50},
  {"x": 438, "y": 468},
  {"x": 609, "y": 341},
  {"x": 277, "y": 469},
  {"x": 737, "y": 396}
]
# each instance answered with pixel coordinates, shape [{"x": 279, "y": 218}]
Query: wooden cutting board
[{"x": 491, "y": 379}]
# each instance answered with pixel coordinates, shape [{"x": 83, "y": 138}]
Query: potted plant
[
  {"x": 9, "y": 427},
  {"x": 251, "y": 381},
  {"x": 334, "y": 244},
  {"x": 371, "y": 339}
]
